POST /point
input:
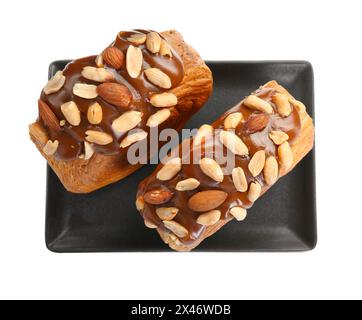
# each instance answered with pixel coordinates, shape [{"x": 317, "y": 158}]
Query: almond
[
  {"x": 178, "y": 229},
  {"x": 163, "y": 100},
  {"x": 86, "y": 91},
  {"x": 127, "y": 121},
  {"x": 255, "y": 103},
  {"x": 150, "y": 225},
  {"x": 256, "y": 123},
  {"x": 98, "y": 137},
  {"x": 233, "y": 120},
  {"x": 283, "y": 105},
  {"x": 50, "y": 147},
  {"x": 134, "y": 61},
  {"x": 133, "y": 138},
  {"x": 278, "y": 137},
  {"x": 239, "y": 179},
  {"x": 48, "y": 117},
  {"x": 285, "y": 155},
  {"x": 113, "y": 57},
  {"x": 212, "y": 169},
  {"x": 238, "y": 213},
  {"x": 158, "y": 118},
  {"x": 158, "y": 78},
  {"x": 153, "y": 42},
  {"x": 254, "y": 191},
  {"x": 88, "y": 149},
  {"x": 207, "y": 200},
  {"x": 187, "y": 185},
  {"x": 209, "y": 218},
  {"x": 95, "y": 113},
  {"x": 140, "y": 203},
  {"x": 115, "y": 93},
  {"x": 99, "y": 61},
  {"x": 271, "y": 170},
  {"x": 231, "y": 141},
  {"x": 137, "y": 39},
  {"x": 165, "y": 49},
  {"x": 167, "y": 213},
  {"x": 257, "y": 163},
  {"x": 158, "y": 196},
  {"x": 55, "y": 83},
  {"x": 203, "y": 132},
  {"x": 97, "y": 74},
  {"x": 71, "y": 113},
  {"x": 170, "y": 169}
]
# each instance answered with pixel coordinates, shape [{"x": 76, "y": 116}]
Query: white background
[{"x": 327, "y": 33}]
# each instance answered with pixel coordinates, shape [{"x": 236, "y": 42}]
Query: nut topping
[
  {"x": 271, "y": 170},
  {"x": 113, "y": 57},
  {"x": 88, "y": 150},
  {"x": 134, "y": 61},
  {"x": 50, "y": 147},
  {"x": 255, "y": 103},
  {"x": 212, "y": 169},
  {"x": 115, "y": 93},
  {"x": 127, "y": 121},
  {"x": 71, "y": 113},
  {"x": 153, "y": 42},
  {"x": 150, "y": 225},
  {"x": 99, "y": 61},
  {"x": 170, "y": 169},
  {"x": 209, "y": 218},
  {"x": 204, "y": 131},
  {"x": 283, "y": 105},
  {"x": 98, "y": 137},
  {"x": 134, "y": 137},
  {"x": 207, "y": 200},
  {"x": 95, "y": 113},
  {"x": 254, "y": 191},
  {"x": 140, "y": 203},
  {"x": 256, "y": 123},
  {"x": 158, "y": 196},
  {"x": 233, "y": 120},
  {"x": 167, "y": 213},
  {"x": 257, "y": 163},
  {"x": 86, "y": 91},
  {"x": 137, "y": 39},
  {"x": 48, "y": 116},
  {"x": 278, "y": 137},
  {"x": 187, "y": 185},
  {"x": 158, "y": 78},
  {"x": 239, "y": 213},
  {"x": 285, "y": 155},
  {"x": 298, "y": 105},
  {"x": 231, "y": 141},
  {"x": 239, "y": 179},
  {"x": 165, "y": 49},
  {"x": 178, "y": 229},
  {"x": 97, "y": 74},
  {"x": 163, "y": 100},
  {"x": 55, "y": 83},
  {"x": 158, "y": 118}
]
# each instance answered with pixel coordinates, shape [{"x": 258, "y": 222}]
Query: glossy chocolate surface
[
  {"x": 71, "y": 138},
  {"x": 254, "y": 141}
]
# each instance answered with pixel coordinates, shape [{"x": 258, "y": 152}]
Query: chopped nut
[
  {"x": 71, "y": 113},
  {"x": 170, "y": 169},
  {"x": 55, "y": 83},
  {"x": 212, "y": 169}
]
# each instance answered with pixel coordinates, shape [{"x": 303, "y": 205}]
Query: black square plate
[{"x": 284, "y": 219}]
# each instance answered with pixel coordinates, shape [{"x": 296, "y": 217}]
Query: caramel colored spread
[
  {"x": 71, "y": 138},
  {"x": 254, "y": 141}
]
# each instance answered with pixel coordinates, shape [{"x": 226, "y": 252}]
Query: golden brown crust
[
  {"x": 82, "y": 176},
  {"x": 300, "y": 148}
]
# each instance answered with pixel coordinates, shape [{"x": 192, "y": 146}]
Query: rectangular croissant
[
  {"x": 267, "y": 133},
  {"x": 143, "y": 80}
]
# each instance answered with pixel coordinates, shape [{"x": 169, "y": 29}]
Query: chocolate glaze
[
  {"x": 71, "y": 138},
  {"x": 255, "y": 141}
]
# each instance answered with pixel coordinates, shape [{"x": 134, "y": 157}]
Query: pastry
[
  {"x": 143, "y": 80},
  {"x": 188, "y": 198}
]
